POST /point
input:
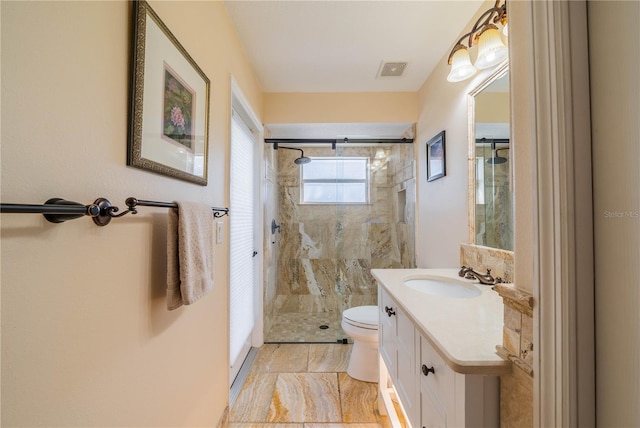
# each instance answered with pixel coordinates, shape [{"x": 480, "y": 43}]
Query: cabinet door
[
  {"x": 437, "y": 377},
  {"x": 387, "y": 332},
  {"x": 408, "y": 375},
  {"x": 432, "y": 415}
]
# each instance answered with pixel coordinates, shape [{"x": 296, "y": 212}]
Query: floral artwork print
[{"x": 178, "y": 110}]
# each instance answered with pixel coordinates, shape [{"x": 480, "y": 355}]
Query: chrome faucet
[{"x": 486, "y": 279}]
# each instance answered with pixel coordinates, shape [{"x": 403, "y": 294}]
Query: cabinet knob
[
  {"x": 389, "y": 310},
  {"x": 426, "y": 370}
]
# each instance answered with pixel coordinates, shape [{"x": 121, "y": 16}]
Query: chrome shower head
[
  {"x": 298, "y": 161},
  {"x": 496, "y": 159},
  {"x": 302, "y": 160}
]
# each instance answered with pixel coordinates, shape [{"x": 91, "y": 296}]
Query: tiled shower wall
[
  {"x": 494, "y": 218},
  {"x": 271, "y": 249},
  {"x": 326, "y": 252}
]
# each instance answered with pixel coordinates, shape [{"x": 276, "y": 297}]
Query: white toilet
[{"x": 361, "y": 324}]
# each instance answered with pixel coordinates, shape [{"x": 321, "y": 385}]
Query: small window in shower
[{"x": 335, "y": 181}]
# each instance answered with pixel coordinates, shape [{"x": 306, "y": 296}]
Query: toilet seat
[{"x": 362, "y": 317}]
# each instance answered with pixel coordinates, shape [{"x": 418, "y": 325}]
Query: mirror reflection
[{"x": 493, "y": 197}]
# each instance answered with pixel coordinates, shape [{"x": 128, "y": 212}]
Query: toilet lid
[{"x": 362, "y": 316}]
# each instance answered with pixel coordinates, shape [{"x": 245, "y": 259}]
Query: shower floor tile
[{"x": 305, "y": 327}]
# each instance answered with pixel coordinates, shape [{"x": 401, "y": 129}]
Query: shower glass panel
[
  {"x": 338, "y": 219},
  {"x": 494, "y": 208}
]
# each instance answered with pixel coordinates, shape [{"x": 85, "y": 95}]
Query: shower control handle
[
  {"x": 389, "y": 310},
  {"x": 426, "y": 370}
]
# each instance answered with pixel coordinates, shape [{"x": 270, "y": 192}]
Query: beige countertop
[{"x": 465, "y": 332}]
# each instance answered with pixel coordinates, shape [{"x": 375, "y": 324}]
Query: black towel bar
[{"x": 57, "y": 210}]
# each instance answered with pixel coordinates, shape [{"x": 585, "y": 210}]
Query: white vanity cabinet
[
  {"x": 432, "y": 394},
  {"x": 398, "y": 350}
]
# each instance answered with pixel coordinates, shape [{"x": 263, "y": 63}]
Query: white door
[{"x": 243, "y": 271}]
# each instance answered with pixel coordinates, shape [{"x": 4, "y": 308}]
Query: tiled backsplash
[{"x": 482, "y": 258}]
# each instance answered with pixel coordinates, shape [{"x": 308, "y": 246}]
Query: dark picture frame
[
  {"x": 169, "y": 103},
  {"x": 436, "y": 157}
]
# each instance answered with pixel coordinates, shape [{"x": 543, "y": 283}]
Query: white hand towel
[{"x": 190, "y": 241}]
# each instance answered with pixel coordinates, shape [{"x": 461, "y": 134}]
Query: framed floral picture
[{"x": 169, "y": 103}]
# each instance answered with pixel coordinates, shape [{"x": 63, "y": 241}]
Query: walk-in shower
[{"x": 350, "y": 210}]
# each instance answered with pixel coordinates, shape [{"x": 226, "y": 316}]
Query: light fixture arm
[{"x": 498, "y": 13}]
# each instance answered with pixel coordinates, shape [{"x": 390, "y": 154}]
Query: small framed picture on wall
[{"x": 436, "y": 161}]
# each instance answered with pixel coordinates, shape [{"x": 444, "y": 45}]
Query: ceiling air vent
[{"x": 392, "y": 69}]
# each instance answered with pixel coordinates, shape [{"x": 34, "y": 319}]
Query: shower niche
[
  {"x": 320, "y": 264},
  {"x": 402, "y": 205}
]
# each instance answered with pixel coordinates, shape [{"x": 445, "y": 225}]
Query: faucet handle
[{"x": 463, "y": 270}]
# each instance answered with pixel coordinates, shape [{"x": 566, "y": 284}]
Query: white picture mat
[{"x": 158, "y": 50}]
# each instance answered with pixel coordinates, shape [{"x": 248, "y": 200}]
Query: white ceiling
[{"x": 339, "y": 46}]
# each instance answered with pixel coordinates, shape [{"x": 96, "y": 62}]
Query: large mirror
[{"x": 490, "y": 165}]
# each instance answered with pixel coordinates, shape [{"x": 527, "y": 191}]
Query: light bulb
[
  {"x": 491, "y": 50},
  {"x": 461, "y": 67}
]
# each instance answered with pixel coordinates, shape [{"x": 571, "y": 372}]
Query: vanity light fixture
[{"x": 491, "y": 50}]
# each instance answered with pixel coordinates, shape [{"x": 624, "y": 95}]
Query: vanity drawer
[{"x": 439, "y": 378}]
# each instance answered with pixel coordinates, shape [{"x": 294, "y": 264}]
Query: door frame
[
  {"x": 240, "y": 104},
  {"x": 555, "y": 77}
]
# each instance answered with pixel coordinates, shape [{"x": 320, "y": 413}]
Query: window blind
[{"x": 242, "y": 272}]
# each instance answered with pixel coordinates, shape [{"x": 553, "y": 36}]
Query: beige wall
[
  {"x": 86, "y": 338},
  {"x": 356, "y": 107},
  {"x": 492, "y": 107},
  {"x": 442, "y": 223},
  {"x": 615, "y": 107}
]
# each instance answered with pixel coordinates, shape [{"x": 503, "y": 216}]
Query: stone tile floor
[{"x": 305, "y": 386}]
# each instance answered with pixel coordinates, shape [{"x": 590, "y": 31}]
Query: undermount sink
[{"x": 443, "y": 287}]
